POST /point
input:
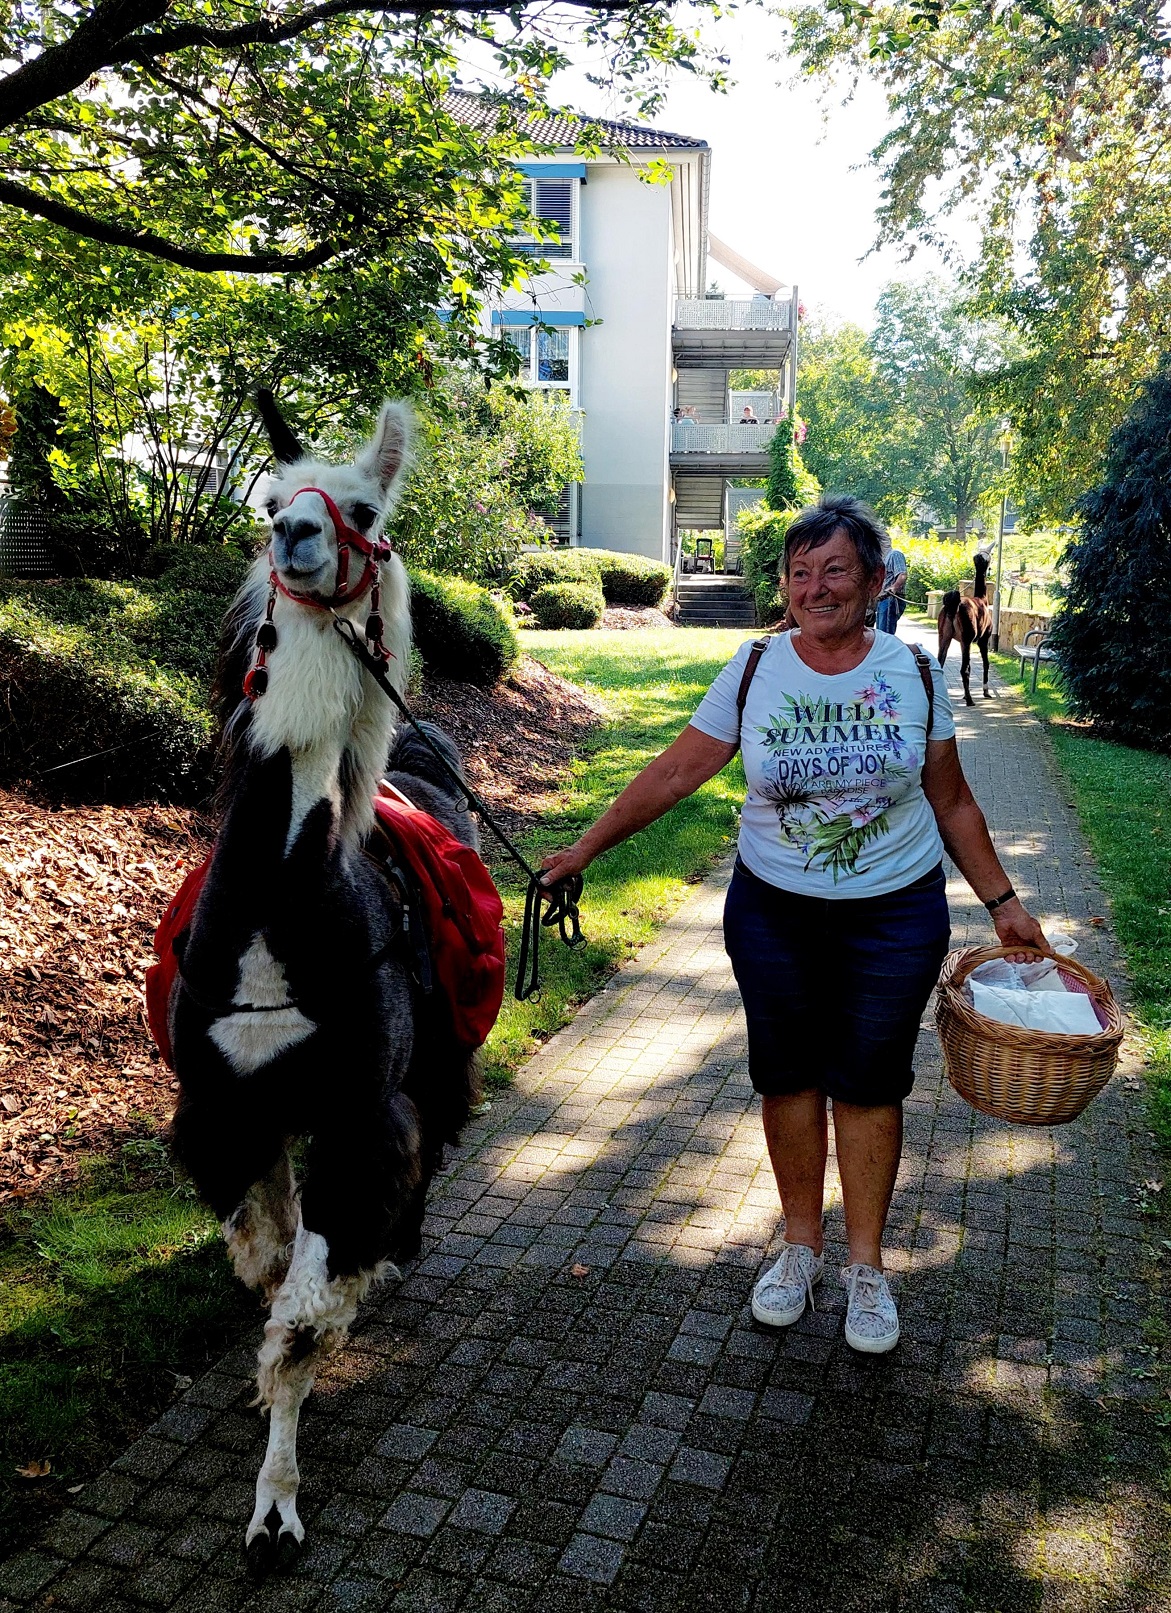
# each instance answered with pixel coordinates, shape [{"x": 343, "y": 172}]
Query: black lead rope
[{"x": 562, "y": 898}]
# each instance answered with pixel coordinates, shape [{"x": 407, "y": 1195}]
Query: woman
[{"x": 836, "y": 919}]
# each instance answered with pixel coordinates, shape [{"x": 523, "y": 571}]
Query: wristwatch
[{"x": 999, "y": 901}]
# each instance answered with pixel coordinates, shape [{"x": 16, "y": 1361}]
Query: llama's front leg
[
  {"x": 311, "y": 1314},
  {"x": 275, "y": 1530},
  {"x": 984, "y": 655},
  {"x": 966, "y": 674}
]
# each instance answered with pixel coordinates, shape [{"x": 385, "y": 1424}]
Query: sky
[{"x": 793, "y": 187}]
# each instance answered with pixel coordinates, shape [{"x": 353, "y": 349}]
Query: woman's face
[{"x": 829, "y": 590}]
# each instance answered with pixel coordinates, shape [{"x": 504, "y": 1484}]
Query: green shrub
[
  {"x": 762, "y": 543},
  {"x": 214, "y": 568},
  {"x": 1111, "y": 629},
  {"x": 532, "y": 571},
  {"x": 625, "y": 579},
  {"x": 461, "y": 630},
  {"x": 81, "y": 694},
  {"x": 632, "y": 579},
  {"x": 568, "y": 604},
  {"x": 931, "y": 563}
]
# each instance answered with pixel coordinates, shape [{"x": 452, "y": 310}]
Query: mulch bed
[{"x": 82, "y": 888}]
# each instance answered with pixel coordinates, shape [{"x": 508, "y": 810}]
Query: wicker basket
[{"x": 1035, "y": 1078}]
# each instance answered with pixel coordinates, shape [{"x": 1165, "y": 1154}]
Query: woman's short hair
[{"x": 837, "y": 512}]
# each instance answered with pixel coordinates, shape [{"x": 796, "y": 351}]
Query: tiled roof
[{"x": 562, "y": 129}]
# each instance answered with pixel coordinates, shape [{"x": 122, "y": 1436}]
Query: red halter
[{"x": 347, "y": 538}]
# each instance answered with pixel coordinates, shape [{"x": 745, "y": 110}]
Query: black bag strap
[
  {"x": 924, "y": 666},
  {"x": 759, "y": 646}
]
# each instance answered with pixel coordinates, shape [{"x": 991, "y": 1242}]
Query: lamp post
[{"x": 1005, "y": 440}]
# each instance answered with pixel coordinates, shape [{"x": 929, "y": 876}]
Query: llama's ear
[
  {"x": 284, "y": 444},
  {"x": 386, "y": 454}
]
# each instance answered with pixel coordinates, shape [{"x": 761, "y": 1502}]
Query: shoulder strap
[
  {"x": 759, "y": 646},
  {"x": 924, "y": 666}
]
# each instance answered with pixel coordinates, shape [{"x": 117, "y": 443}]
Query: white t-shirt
[{"x": 835, "y": 806}]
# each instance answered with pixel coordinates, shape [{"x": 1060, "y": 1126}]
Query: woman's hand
[
  {"x": 564, "y": 864},
  {"x": 1016, "y": 927}
]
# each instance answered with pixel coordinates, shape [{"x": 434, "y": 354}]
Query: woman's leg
[
  {"x": 869, "y": 1142},
  {"x": 797, "y": 1136}
]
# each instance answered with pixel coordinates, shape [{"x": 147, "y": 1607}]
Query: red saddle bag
[{"x": 461, "y": 914}]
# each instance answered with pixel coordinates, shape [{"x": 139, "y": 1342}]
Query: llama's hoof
[
  {"x": 288, "y": 1550},
  {"x": 260, "y": 1551},
  {"x": 988, "y": 694}
]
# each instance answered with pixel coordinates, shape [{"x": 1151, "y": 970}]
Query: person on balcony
[
  {"x": 836, "y": 919},
  {"x": 748, "y": 418}
]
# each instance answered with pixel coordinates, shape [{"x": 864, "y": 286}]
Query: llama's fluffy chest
[{"x": 249, "y": 1039}]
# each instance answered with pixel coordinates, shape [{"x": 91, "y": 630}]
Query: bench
[{"x": 1036, "y": 653}]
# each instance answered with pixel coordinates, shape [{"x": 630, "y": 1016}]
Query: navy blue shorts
[{"x": 834, "y": 991}]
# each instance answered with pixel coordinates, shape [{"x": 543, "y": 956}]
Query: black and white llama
[{"x": 317, "y": 1087}]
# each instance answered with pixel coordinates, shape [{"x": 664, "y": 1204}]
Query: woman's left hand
[{"x": 1016, "y": 926}]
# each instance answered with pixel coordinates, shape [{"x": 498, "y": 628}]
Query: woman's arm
[
  {"x": 676, "y": 773},
  {"x": 965, "y": 834}
]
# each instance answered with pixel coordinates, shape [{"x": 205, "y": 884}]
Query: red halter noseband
[{"x": 347, "y": 538}]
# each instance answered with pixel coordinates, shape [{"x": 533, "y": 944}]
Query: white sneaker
[
  {"x": 781, "y": 1295},
  {"x": 872, "y": 1322}
]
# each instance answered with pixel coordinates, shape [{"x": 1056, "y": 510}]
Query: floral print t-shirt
[{"x": 835, "y": 806}]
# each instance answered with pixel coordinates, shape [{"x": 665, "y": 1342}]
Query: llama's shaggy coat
[{"x": 298, "y": 1029}]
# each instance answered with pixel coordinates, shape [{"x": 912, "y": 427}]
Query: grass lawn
[
  {"x": 113, "y": 1295},
  {"x": 1123, "y": 799},
  {"x": 652, "y": 682}
]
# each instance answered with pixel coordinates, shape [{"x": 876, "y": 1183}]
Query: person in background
[
  {"x": 836, "y": 920},
  {"x": 891, "y": 603},
  {"x": 748, "y": 418}
]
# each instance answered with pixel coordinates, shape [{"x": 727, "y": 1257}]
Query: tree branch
[
  {"x": 65, "y": 67},
  {"x": 156, "y": 246},
  {"x": 263, "y": 32}
]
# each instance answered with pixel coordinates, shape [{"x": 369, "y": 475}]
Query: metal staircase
[{"x": 714, "y": 601}]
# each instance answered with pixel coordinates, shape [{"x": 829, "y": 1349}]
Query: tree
[
  {"x": 1111, "y": 631},
  {"x": 859, "y": 439},
  {"x": 489, "y": 465},
  {"x": 932, "y": 355},
  {"x": 1047, "y": 119},
  {"x": 217, "y": 135}
]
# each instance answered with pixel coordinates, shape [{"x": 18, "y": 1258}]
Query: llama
[
  {"x": 970, "y": 621},
  {"x": 302, "y": 1046}
]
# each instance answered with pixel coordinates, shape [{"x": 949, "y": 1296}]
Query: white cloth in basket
[{"x": 1069, "y": 1013}]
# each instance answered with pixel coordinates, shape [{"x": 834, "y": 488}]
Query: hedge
[
  {"x": 568, "y": 604},
  {"x": 107, "y": 683},
  {"x": 461, "y": 630},
  {"x": 625, "y": 579},
  {"x": 80, "y": 700}
]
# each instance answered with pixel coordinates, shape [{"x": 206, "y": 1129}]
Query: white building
[{"x": 622, "y": 321}]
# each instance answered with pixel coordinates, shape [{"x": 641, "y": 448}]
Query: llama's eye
[
  {"x": 271, "y": 506},
  {"x": 365, "y": 516}
]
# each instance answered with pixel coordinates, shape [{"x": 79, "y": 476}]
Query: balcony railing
[
  {"x": 688, "y": 438},
  {"x": 710, "y": 313}
]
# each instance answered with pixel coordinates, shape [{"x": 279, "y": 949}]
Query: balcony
[
  {"x": 753, "y": 333},
  {"x": 727, "y": 450}
]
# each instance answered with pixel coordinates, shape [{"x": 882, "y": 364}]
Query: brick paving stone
[{"x": 501, "y": 1434}]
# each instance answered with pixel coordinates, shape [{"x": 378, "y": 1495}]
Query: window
[
  {"x": 545, "y": 355},
  {"x": 551, "y": 200},
  {"x": 521, "y": 337},
  {"x": 553, "y": 355}
]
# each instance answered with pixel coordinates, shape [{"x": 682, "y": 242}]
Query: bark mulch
[{"x": 82, "y": 888}]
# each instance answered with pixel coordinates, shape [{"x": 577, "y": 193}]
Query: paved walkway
[{"x": 566, "y": 1405}]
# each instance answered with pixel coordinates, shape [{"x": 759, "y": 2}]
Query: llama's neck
[
  {"x": 322, "y": 707},
  {"x": 980, "y": 591}
]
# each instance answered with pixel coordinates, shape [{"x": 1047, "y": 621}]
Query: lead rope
[{"x": 563, "y": 897}]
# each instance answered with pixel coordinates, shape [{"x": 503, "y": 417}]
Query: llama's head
[{"x": 304, "y": 546}]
